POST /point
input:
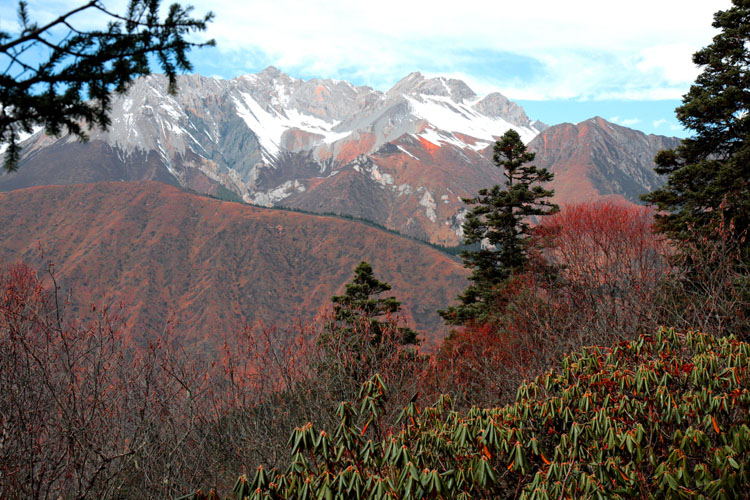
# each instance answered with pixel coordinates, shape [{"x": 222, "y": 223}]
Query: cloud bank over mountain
[
  {"x": 623, "y": 53},
  {"x": 531, "y": 50}
]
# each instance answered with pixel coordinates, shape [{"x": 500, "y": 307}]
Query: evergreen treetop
[
  {"x": 709, "y": 173},
  {"x": 364, "y": 334},
  {"x": 362, "y": 302}
]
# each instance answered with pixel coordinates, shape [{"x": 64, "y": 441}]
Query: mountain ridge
[
  {"x": 597, "y": 159},
  {"x": 402, "y": 158}
]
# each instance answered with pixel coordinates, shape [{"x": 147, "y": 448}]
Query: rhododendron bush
[{"x": 663, "y": 416}]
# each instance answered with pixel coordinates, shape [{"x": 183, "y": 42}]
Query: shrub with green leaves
[{"x": 665, "y": 416}]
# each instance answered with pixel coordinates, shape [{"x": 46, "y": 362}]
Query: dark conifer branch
[
  {"x": 72, "y": 87},
  {"x": 708, "y": 189}
]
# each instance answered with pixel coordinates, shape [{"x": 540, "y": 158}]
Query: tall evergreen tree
[
  {"x": 499, "y": 223},
  {"x": 60, "y": 76},
  {"x": 709, "y": 173}
]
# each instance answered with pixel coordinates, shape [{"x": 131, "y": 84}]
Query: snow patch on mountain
[
  {"x": 428, "y": 202},
  {"x": 457, "y": 222},
  {"x": 269, "y": 126},
  {"x": 445, "y": 114},
  {"x": 405, "y": 189},
  {"x": 273, "y": 196},
  {"x": 408, "y": 153},
  {"x": 22, "y": 136},
  {"x": 380, "y": 177},
  {"x": 439, "y": 137}
]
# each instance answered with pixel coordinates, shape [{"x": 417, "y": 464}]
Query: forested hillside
[{"x": 212, "y": 266}]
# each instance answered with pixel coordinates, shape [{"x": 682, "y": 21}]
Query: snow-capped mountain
[
  {"x": 402, "y": 158},
  {"x": 284, "y": 114}
]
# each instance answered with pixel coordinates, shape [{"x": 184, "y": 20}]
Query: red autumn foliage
[
  {"x": 86, "y": 411},
  {"x": 607, "y": 246},
  {"x": 594, "y": 272}
]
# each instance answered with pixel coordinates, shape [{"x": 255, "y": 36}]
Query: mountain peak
[
  {"x": 597, "y": 120},
  {"x": 271, "y": 71},
  {"x": 497, "y": 105},
  {"x": 599, "y": 123},
  {"x": 407, "y": 84},
  {"x": 415, "y": 84},
  {"x": 595, "y": 158}
]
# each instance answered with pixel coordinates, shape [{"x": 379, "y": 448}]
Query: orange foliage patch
[
  {"x": 321, "y": 92},
  {"x": 465, "y": 138},
  {"x": 428, "y": 146}
]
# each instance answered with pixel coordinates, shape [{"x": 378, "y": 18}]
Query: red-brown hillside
[
  {"x": 213, "y": 264},
  {"x": 596, "y": 159}
]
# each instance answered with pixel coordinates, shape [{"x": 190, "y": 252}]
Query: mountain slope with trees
[{"x": 213, "y": 264}]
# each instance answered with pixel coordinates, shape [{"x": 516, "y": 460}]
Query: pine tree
[
  {"x": 61, "y": 77},
  {"x": 499, "y": 222},
  {"x": 709, "y": 174},
  {"x": 362, "y": 304},
  {"x": 363, "y": 336}
]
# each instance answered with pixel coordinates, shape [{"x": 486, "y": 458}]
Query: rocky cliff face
[{"x": 402, "y": 158}]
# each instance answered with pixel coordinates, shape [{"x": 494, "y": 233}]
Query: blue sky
[{"x": 629, "y": 62}]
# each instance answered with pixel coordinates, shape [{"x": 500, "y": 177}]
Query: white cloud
[
  {"x": 672, "y": 61},
  {"x": 7, "y": 26},
  {"x": 625, "y": 122},
  {"x": 629, "y": 122},
  {"x": 584, "y": 49},
  {"x": 658, "y": 123},
  {"x": 44, "y": 11}
]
